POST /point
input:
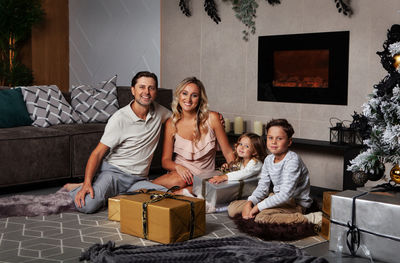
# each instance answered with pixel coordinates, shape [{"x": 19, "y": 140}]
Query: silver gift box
[
  {"x": 222, "y": 194},
  {"x": 378, "y": 220}
]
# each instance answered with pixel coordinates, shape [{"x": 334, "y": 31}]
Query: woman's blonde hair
[{"x": 202, "y": 107}]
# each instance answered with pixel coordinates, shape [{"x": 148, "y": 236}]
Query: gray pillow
[
  {"x": 47, "y": 106},
  {"x": 95, "y": 103}
]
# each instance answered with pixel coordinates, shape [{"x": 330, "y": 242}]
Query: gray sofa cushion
[
  {"x": 31, "y": 154},
  {"x": 83, "y": 139}
]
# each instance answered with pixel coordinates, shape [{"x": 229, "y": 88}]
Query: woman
[{"x": 191, "y": 137}]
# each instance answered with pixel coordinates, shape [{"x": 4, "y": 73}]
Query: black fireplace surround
[{"x": 304, "y": 68}]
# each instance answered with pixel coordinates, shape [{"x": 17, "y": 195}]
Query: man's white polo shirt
[{"x": 132, "y": 141}]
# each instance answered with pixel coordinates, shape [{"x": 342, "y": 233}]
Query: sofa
[{"x": 30, "y": 154}]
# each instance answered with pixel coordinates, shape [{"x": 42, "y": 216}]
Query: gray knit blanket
[{"x": 231, "y": 249}]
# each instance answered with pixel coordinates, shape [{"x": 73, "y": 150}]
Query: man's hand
[
  {"x": 185, "y": 174},
  {"x": 80, "y": 196}
]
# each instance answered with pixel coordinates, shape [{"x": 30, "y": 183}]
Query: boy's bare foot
[{"x": 72, "y": 186}]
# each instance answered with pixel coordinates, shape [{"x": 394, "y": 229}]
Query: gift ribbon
[
  {"x": 353, "y": 232},
  {"x": 158, "y": 197}
]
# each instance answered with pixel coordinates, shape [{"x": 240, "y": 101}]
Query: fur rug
[
  {"x": 35, "y": 205},
  {"x": 232, "y": 249},
  {"x": 283, "y": 232}
]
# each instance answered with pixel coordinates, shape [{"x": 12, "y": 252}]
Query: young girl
[{"x": 249, "y": 157}]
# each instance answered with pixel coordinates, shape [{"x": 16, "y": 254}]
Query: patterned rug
[{"x": 63, "y": 237}]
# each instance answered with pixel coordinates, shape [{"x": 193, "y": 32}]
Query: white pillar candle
[
  {"x": 238, "y": 125},
  {"x": 227, "y": 125},
  {"x": 258, "y": 127}
]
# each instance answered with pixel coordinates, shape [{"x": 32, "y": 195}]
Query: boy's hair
[
  {"x": 286, "y": 126},
  {"x": 146, "y": 74},
  {"x": 258, "y": 145}
]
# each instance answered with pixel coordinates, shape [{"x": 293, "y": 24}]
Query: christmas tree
[{"x": 382, "y": 110}]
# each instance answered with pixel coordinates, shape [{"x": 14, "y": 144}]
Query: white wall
[
  {"x": 227, "y": 65},
  {"x": 109, "y": 37}
]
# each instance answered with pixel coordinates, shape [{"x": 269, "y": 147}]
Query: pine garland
[
  {"x": 245, "y": 11},
  {"x": 183, "y": 4},
  {"x": 344, "y": 7},
  {"x": 211, "y": 9}
]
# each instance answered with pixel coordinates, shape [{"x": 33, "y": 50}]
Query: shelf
[{"x": 308, "y": 142}]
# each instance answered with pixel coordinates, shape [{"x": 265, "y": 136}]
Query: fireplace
[{"x": 304, "y": 68}]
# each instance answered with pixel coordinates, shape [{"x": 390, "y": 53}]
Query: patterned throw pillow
[
  {"x": 95, "y": 104},
  {"x": 47, "y": 106}
]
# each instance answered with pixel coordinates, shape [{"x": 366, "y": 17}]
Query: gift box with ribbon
[
  {"x": 365, "y": 224},
  {"x": 222, "y": 194},
  {"x": 326, "y": 213},
  {"x": 114, "y": 207},
  {"x": 162, "y": 217},
  {"x": 114, "y": 213}
]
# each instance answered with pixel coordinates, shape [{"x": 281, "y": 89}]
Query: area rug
[
  {"x": 231, "y": 249},
  {"x": 35, "y": 205}
]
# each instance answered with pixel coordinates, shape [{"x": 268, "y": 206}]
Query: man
[{"x": 131, "y": 136}]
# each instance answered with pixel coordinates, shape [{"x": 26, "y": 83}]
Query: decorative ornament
[
  {"x": 377, "y": 174},
  {"x": 360, "y": 178},
  {"x": 396, "y": 62},
  {"x": 395, "y": 174}
]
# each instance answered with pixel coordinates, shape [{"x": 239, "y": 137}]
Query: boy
[{"x": 289, "y": 176}]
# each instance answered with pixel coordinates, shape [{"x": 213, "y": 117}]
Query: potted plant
[{"x": 16, "y": 20}]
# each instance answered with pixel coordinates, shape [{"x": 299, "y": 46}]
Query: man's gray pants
[{"x": 111, "y": 181}]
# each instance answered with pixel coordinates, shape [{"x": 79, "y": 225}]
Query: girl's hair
[
  {"x": 202, "y": 107},
  {"x": 286, "y": 126},
  {"x": 258, "y": 146}
]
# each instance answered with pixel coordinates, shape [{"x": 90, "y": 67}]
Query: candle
[
  {"x": 227, "y": 125},
  {"x": 258, "y": 128},
  {"x": 238, "y": 125}
]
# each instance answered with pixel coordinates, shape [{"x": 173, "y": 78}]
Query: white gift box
[{"x": 219, "y": 195}]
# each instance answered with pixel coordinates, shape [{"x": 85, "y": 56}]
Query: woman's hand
[
  {"x": 184, "y": 173},
  {"x": 218, "y": 179}
]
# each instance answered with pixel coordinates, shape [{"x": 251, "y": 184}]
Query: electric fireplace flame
[{"x": 301, "y": 68}]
